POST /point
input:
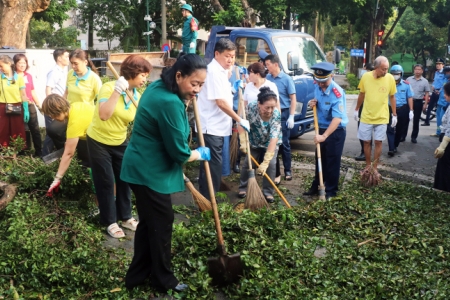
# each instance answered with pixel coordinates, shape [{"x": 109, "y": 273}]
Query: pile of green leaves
[{"x": 389, "y": 242}]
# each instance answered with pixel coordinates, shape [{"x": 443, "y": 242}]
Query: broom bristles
[
  {"x": 202, "y": 203},
  {"x": 370, "y": 177},
  {"x": 234, "y": 147},
  {"x": 255, "y": 198}
]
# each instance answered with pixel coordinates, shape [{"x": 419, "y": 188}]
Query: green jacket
[
  {"x": 187, "y": 35},
  {"x": 159, "y": 143}
]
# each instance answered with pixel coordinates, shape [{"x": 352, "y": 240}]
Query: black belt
[
  {"x": 284, "y": 109},
  {"x": 418, "y": 99}
]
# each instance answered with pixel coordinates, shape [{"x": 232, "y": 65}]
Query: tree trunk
[
  {"x": 163, "y": 22},
  {"x": 15, "y": 16},
  {"x": 247, "y": 21},
  {"x": 91, "y": 30},
  {"x": 216, "y": 5}
]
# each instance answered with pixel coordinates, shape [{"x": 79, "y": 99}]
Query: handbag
[{"x": 11, "y": 109}]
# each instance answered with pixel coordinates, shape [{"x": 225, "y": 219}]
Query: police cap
[
  {"x": 439, "y": 60},
  {"x": 323, "y": 71}
]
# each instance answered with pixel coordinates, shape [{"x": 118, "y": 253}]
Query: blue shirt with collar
[
  {"x": 442, "y": 101},
  {"x": 286, "y": 87},
  {"x": 404, "y": 92},
  {"x": 331, "y": 104},
  {"x": 439, "y": 79}
]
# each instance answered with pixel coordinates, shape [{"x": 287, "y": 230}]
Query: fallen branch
[{"x": 366, "y": 242}]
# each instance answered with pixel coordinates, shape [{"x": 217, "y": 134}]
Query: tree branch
[
  {"x": 217, "y": 6},
  {"x": 401, "y": 10}
]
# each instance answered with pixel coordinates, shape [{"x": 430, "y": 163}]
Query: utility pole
[
  {"x": 148, "y": 27},
  {"x": 163, "y": 22}
]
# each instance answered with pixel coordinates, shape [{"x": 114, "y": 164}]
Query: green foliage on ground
[
  {"x": 51, "y": 250},
  {"x": 353, "y": 81}
]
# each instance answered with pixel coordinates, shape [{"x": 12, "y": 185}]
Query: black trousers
[
  {"x": 152, "y": 241},
  {"x": 215, "y": 145},
  {"x": 442, "y": 175},
  {"x": 33, "y": 126},
  {"x": 106, "y": 163},
  {"x": 331, "y": 154},
  {"x": 394, "y": 134},
  {"x": 418, "y": 106}
]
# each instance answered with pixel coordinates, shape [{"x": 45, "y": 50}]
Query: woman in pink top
[{"x": 21, "y": 66}]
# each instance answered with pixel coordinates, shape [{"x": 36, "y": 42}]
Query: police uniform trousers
[
  {"x": 394, "y": 134},
  {"x": 152, "y": 240},
  {"x": 331, "y": 153},
  {"x": 417, "y": 107},
  {"x": 442, "y": 175}
]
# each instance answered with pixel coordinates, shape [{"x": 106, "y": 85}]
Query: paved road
[{"x": 416, "y": 158}]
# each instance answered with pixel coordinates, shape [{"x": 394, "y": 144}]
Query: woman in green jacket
[{"x": 153, "y": 166}]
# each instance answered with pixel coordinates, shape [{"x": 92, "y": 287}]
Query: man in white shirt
[
  {"x": 56, "y": 84},
  {"x": 215, "y": 104}
]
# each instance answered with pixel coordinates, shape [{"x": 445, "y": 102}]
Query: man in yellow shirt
[{"x": 376, "y": 88}]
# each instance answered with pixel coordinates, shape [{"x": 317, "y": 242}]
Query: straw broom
[
  {"x": 202, "y": 203},
  {"x": 234, "y": 142},
  {"x": 255, "y": 198}
]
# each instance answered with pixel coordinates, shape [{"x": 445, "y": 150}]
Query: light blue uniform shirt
[
  {"x": 439, "y": 80},
  {"x": 404, "y": 92},
  {"x": 331, "y": 104},
  {"x": 442, "y": 101},
  {"x": 286, "y": 87}
]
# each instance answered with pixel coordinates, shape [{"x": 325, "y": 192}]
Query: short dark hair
[
  {"x": 258, "y": 68},
  {"x": 447, "y": 89},
  {"x": 266, "y": 94},
  {"x": 273, "y": 59},
  {"x": 83, "y": 55},
  {"x": 18, "y": 57},
  {"x": 134, "y": 65},
  {"x": 224, "y": 44},
  {"x": 418, "y": 66},
  {"x": 59, "y": 52},
  {"x": 186, "y": 65}
]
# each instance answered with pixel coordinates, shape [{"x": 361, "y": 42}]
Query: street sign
[
  {"x": 165, "y": 47},
  {"x": 357, "y": 52}
]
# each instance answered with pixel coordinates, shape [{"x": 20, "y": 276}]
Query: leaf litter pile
[{"x": 387, "y": 242}]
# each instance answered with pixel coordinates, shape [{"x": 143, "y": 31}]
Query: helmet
[
  {"x": 446, "y": 69},
  {"x": 396, "y": 69},
  {"x": 187, "y": 7}
]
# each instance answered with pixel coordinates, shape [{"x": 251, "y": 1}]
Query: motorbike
[{"x": 423, "y": 116}]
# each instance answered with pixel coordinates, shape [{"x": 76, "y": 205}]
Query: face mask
[{"x": 396, "y": 77}]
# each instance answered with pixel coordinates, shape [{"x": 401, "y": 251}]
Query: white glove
[
  {"x": 394, "y": 121},
  {"x": 121, "y": 85},
  {"x": 245, "y": 124},
  {"x": 356, "y": 115},
  {"x": 411, "y": 115},
  {"x": 290, "y": 122},
  {"x": 192, "y": 45}
]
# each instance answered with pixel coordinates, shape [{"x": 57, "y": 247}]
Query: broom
[
  {"x": 255, "y": 198},
  {"x": 202, "y": 203},
  {"x": 234, "y": 142}
]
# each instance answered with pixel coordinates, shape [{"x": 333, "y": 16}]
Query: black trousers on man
[
  {"x": 418, "y": 107},
  {"x": 395, "y": 134},
  {"x": 152, "y": 240}
]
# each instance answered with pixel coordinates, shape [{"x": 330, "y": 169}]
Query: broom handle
[
  {"x": 273, "y": 184},
  {"x": 209, "y": 179},
  {"x": 246, "y": 133},
  {"x": 127, "y": 91},
  {"x": 319, "y": 160}
]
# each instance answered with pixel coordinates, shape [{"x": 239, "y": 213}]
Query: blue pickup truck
[{"x": 297, "y": 51}]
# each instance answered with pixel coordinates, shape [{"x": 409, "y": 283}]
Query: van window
[{"x": 251, "y": 46}]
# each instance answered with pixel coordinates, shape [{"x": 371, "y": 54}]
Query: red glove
[{"x": 54, "y": 186}]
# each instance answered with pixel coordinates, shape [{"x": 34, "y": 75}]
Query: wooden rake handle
[
  {"x": 220, "y": 241},
  {"x": 273, "y": 184},
  {"x": 319, "y": 160},
  {"x": 116, "y": 75}
]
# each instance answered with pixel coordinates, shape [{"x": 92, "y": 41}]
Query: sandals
[
  {"x": 277, "y": 180},
  {"x": 130, "y": 224},
  {"x": 242, "y": 194},
  {"x": 269, "y": 199},
  {"x": 288, "y": 175},
  {"x": 115, "y": 231}
]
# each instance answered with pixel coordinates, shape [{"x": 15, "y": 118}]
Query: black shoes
[
  {"x": 236, "y": 169},
  {"x": 311, "y": 192},
  {"x": 395, "y": 150},
  {"x": 391, "y": 153},
  {"x": 361, "y": 157},
  {"x": 414, "y": 141},
  {"x": 288, "y": 175},
  {"x": 425, "y": 124},
  {"x": 402, "y": 139}
]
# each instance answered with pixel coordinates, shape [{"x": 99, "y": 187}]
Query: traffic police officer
[
  {"x": 438, "y": 82},
  {"x": 442, "y": 104},
  {"x": 329, "y": 98},
  {"x": 404, "y": 104},
  {"x": 190, "y": 30}
]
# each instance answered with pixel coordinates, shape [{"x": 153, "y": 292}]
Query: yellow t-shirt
[
  {"x": 377, "y": 92},
  {"x": 83, "y": 89},
  {"x": 10, "y": 92},
  {"x": 80, "y": 117},
  {"x": 113, "y": 131}
]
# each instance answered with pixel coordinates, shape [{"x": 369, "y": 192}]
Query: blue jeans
[
  {"x": 439, "y": 114},
  {"x": 226, "y": 168}
]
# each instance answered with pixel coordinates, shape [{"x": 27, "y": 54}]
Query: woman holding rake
[{"x": 265, "y": 137}]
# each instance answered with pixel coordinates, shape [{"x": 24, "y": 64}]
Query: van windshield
[{"x": 308, "y": 51}]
